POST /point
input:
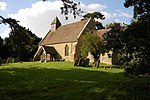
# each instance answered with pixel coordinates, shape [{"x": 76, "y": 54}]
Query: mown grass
[{"x": 63, "y": 81}]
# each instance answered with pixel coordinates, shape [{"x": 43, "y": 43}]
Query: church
[{"x": 62, "y": 42}]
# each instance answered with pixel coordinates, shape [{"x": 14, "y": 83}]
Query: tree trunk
[{"x": 96, "y": 62}]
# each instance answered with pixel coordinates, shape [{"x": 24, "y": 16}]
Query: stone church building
[{"x": 62, "y": 42}]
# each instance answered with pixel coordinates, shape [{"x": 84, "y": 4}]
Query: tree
[
  {"x": 22, "y": 42},
  {"x": 137, "y": 47},
  {"x": 133, "y": 42},
  {"x": 141, "y": 7},
  {"x": 93, "y": 15},
  {"x": 96, "y": 15},
  {"x": 1, "y": 47},
  {"x": 114, "y": 38},
  {"x": 93, "y": 44},
  {"x": 138, "y": 35}
]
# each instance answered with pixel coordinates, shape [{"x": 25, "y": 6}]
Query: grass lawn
[{"x": 63, "y": 81}]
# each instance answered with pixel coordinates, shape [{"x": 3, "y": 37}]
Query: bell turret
[{"x": 55, "y": 24}]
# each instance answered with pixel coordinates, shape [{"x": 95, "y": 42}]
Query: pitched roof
[
  {"x": 102, "y": 31},
  {"x": 50, "y": 50},
  {"x": 66, "y": 33}
]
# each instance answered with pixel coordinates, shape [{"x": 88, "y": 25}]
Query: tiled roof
[
  {"x": 66, "y": 33},
  {"x": 102, "y": 31},
  {"x": 50, "y": 50}
]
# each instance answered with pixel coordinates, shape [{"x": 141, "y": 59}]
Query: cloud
[
  {"x": 117, "y": 16},
  {"x": 3, "y": 6},
  {"x": 117, "y": 20},
  {"x": 92, "y": 7},
  {"x": 126, "y": 15},
  {"x": 106, "y": 14},
  {"x": 5, "y": 33},
  {"x": 39, "y": 17},
  {"x": 97, "y": 6}
]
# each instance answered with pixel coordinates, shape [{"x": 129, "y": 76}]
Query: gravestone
[
  {"x": 80, "y": 61},
  {"x": 9, "y": 59},
  {"x": 87, "y": 60},
  {"x": 76, "y": 62},
  {"x": 17, "y": 59}
]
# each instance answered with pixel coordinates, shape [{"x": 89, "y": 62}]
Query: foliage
[
  {"x": 141, "y": 7},
  {"x": 70, "y": 6},
  {"x": 3, "y": 49},
  {"x": 137, "y": 48},
  {"x": 114, "y": 38},
  {"x": 137, "y": 45},
  {"x": 93, "y": 15},
  {"x": 99, "y": 25},
  {"x": 96, "y": 15},
  {"x": 1, "y": 46},
  {"x": 133, "y": 42},
  {"x": 21, "y": 42},
  {"x": 93, "y": 44},
  {"x": 60, "y": 80}
]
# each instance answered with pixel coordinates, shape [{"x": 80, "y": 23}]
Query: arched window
[{"x": 66, "y": 50}]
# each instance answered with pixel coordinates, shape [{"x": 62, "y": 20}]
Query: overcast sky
[{"x": 37, "y": 15}]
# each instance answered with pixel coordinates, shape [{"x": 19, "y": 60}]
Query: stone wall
[
  {"x": 106, "y": 58},
  {"x": 60, "y": 48}
]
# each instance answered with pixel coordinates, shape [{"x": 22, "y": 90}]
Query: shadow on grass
[{"x": 72, "y": 84}]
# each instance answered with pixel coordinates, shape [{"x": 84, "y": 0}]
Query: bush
[{"x": 135, "y": 67}]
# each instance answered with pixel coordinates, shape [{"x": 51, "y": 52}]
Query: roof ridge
[
  {"x": 88, "y": 20},
  {"x": 44, "y": 37},
  {"x": 65, "y": 33},
  {"x": 75, "y": 22}
]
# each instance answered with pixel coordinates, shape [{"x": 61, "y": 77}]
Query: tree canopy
[
  {"x": 114, "y": 38},
  {"x": 133, "y": 41},
  {"x": 93, "y": 44},
  {"x": 21, "y": 42},
  {"x": 93, "y": 15},
  {"x": 96, "y": 15},
  {"x": 138, "y": 36},
  {"x": 141, "y": 7}
]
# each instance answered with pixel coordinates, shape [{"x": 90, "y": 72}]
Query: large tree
[
  {"x": 133, "y": 43},
  {"x": 21, "y": 42},
  {"x": 93, "y": 44},
  {"x": 114, "y": 38},
  {"x": 138, "y": 33},
  {"x": 141, "y": 7},
  {"x": 1, "y": 47},
  {"x": 138, "y": 46}
]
